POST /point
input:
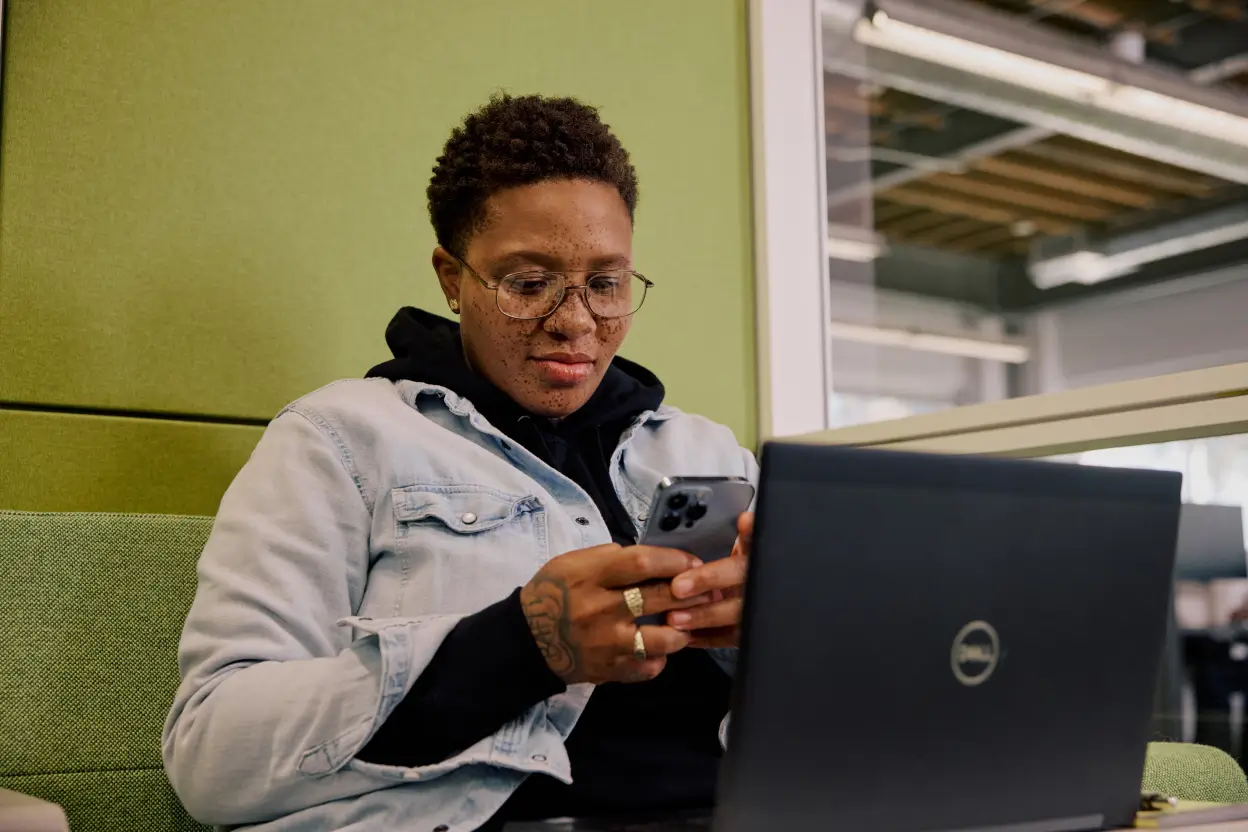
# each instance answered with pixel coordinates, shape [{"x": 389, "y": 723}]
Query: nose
[{"x": 572, "y": 316}]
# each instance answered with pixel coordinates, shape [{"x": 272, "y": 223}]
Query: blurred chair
[{"x": 1207, "y": 655}]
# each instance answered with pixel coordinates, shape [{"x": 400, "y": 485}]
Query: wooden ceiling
[
  {"x": 1164, "y": 23},
  {"x": 995, "y": 206}
]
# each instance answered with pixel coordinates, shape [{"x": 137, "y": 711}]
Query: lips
[{"x": 564, "y": 369}]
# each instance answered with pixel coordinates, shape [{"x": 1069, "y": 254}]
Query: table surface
[{"x": 704, "y": 825}]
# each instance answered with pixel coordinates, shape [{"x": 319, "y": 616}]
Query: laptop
[
  {"x": 942, "y": 643},
  {"x": 947, "y": 643}
]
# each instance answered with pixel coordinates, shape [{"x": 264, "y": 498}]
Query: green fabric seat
[
  {"x": 1194, "y": 772},
  {"x": 92, "y": 607}
]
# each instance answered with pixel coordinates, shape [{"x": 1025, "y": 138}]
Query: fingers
[
  {"x": 745, "y": 525},
  {"x": 640, "y": 671},
  {"x": 710, "y": 639},
  {"x": 726, "y": 613},
  {"x": 657, "y": 597},
  {"x": 727, "y": 573},
  {"x": 660, "y": 641},
  {"x": 639, "y": 564}
]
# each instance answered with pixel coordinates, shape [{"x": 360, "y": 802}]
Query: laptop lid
[{"x": 947, "y": 643}]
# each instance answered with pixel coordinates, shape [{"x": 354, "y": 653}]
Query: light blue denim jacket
[{"x": 343, "y": 553}]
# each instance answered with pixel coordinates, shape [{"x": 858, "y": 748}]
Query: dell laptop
[{"x": 947, "y": 643}]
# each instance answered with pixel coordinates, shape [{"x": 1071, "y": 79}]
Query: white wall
[
  {"x": 1186, "y": 324},
  {"x": 942, "y": 380}
]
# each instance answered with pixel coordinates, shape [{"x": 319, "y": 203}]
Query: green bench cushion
[
  {"x": 110, "y": 801},
  {"x": 1194, "y": 772},
  {"x": 94, "y": 605}
]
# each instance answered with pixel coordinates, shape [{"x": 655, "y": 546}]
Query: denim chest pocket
[
  {"x": 456, "y": 540},
  {"x": 464, "y": 509}
]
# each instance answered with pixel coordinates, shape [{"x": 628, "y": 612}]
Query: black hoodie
[{"x": 637, "y": 747}]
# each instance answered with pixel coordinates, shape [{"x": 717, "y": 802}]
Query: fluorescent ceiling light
[
  {"x": 1087, "y": 265},
  {"x": 892, "y": 35},
  {"x": 858, "y": 245},
  {"x": 856, "y": 251},
  {"x": 1008, "y": 352}
]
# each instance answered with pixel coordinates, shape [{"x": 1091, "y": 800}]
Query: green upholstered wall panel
[
  {"x": 59, "y": 462},
  {"x": 214, "y": 206}
]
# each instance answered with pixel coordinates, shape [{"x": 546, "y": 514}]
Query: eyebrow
[{"x": 516, "y": 259}]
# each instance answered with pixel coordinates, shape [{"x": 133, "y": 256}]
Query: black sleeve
[{"x": 487, "y": 672}]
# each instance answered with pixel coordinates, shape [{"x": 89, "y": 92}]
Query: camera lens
[
  {"x": 696, "y": 511},
  {"x": 677, "y": 501},
  {"x": 670, "y": 521}
]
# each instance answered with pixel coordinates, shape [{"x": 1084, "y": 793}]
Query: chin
[{"x": 557, "y": 402}]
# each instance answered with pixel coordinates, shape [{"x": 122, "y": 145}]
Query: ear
[{"x": 449, "y": 274}]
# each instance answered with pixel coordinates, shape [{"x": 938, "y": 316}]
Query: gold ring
[
  {"x": 639, "y": 646},
  {"x": 636, "y": 602}
]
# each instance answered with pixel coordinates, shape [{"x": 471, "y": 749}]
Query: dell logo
[{"x": 976, "y": 650}]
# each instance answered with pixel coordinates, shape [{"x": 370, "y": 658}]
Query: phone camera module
[
  {"x": 677, "y": 501},
  {"x": 696, "y": 510},
  {"x": 670, "y": 521}
]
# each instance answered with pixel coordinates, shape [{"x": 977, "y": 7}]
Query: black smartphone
[{"x": 697, "y": 515}]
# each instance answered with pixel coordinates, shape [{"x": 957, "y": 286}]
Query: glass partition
[
  {"x": 1006, "y": 218},
  {"x": 1204, "y": 678}
]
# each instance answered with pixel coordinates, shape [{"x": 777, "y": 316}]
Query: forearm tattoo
[{"x": 545, "y": 610}]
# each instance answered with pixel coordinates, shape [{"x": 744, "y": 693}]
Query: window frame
[{"x": 1190, "y": 405}]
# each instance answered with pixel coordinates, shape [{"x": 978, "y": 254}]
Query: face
[{"x": 550, "y": 366}]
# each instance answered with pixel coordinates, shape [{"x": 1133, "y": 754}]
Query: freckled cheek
[
  {"x": 611, "y": 334},
  {"x": 511, "y": 348}
]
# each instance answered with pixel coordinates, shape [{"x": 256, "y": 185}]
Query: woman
[{"x": 417, "y": 581}]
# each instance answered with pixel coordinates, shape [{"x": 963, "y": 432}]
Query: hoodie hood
[{"x": 427, "y": 348}]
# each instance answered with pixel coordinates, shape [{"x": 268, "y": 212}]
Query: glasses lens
[
  {"x": 615, "y": 294},
  {"x": 610, "y": 294},
  {"x": 528, "y": 294}
]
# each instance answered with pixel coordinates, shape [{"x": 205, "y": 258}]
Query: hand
[
  {"x": 717, "y": 623},
  {"x": 578, "y": 616}
]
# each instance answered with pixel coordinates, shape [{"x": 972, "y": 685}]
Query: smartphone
[{"x": 697, "y": 515}]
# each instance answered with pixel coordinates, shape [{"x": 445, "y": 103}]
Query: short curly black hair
[{"x": 518, "y": 141}]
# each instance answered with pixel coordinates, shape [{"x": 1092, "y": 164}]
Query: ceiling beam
[
  {"x": 1048, "y": 176},
  {"x": 1006, "y": 141},
  {"x": 1094, "y": 160},
  {"x": 887, "y": 212},
  {"x": 950, "y": 230},
  {"x": 924, "y": 220},
  {"x": 988, "y": 238},
  {"x": 1225, "y": 9},
  {"x": 1028, "y": 197},
  {"x": 923, "y": 196}
]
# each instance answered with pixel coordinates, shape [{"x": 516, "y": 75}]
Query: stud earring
[{"x": 454, "y": 306}]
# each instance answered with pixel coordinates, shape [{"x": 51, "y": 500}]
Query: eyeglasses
[{"x": 529, "y": 295}]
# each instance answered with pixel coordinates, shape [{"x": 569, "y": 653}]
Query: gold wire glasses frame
[{"x": 530, "y": 295}]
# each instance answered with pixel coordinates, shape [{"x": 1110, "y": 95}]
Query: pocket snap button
[
  {"x": 582, "y": 521},
  {"x": 469, "y": 518},
  {"x": 643, "y": 517}
]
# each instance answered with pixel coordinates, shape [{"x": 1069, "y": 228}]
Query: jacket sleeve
[
  {"x": 487, "y": 672},
  {"x": 277, "y": 695}
]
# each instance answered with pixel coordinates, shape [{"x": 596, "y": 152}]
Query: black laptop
[{"x": 944, "y": 643}]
